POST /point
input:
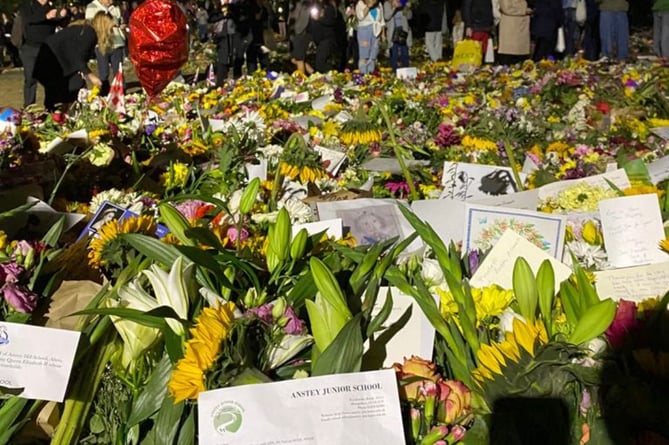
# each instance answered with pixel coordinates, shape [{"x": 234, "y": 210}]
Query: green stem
[
  {"x": 67, "y": 169},
  {"x": 398, "y": 153},
  {"x": 83, "y": 392},
  {"x": 508, "y": 149}
]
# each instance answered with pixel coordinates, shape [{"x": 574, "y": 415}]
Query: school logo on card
[
  {"x": 4, "y": 336},
  {"x": 227, "y": 418}
]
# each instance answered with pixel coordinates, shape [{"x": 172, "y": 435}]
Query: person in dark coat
[
  {"x": 479, "y": 21},
  {"x": 323, "y": 28},
  {"x": 591, "y": 44},
  {"x": 40, "y": 20},
  {"x": 547, "y": 18},
  {"x": 62, "y": 61},
  {"x": 433, "y": 28}
]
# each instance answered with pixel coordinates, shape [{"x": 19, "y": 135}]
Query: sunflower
[
  {"x": 105, "y": 244},
  {"x": 202, "y": 350},
  {"x": 520, "y": 344},
  {"x": 664, "y": 245}
]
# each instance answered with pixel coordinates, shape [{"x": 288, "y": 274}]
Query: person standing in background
[
  {"x": 479, "y": 21},
  {"x": 514, "y": 31},
  {"x": 546, "y": 20},
  {"x": 661, "y": 28},
  {"x": 114, "y": 55},
  {"x": 202, "y": 18},
  {"x": 62, "y": 61},
  {"x": 12, "y": 51},
  {"x": 591, "y": 42},
  {"x": 570, "y": 27},
  {"x": 397, "y": 16},
  {"x": 369, "y": 32},
  {"x": 40, "y": 20},
  {"x": 433, "y": 28},
  {"x": 614, "y": 28}
]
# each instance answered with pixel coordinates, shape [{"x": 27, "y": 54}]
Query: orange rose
[
  {"x": 454, "y": 400},
  {"x": 414, "y": 367}
]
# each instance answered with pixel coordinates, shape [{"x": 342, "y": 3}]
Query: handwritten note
[
  {"x": 632, "y": 229},
  {"x": 497, "y": 268},
  {"x": 634, "y": 283},
  {"x": 659, "y": 169}
]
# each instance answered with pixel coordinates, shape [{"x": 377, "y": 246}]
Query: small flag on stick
[{"x": 116, "y": 98}]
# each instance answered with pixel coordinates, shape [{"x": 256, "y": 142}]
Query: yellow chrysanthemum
[
  {"x": 490, "y": 301},
  {"x": 194, "y": 147},
  {"x": 558, "y": 147},
  {"x": 202, "y": 350},
  {"x": 643, "y": 189},
  {"x": 109, "y": 232},
  {"x": 472, "y": 143}
]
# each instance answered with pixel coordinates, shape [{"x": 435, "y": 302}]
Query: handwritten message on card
[
  {"x": 497, "y": 268},
  {"x": 358, "y": 408},
  {"x": 634, "y": 283},
  {"x": 632, "y": 229},
  {"x": 37, "y": 359}
]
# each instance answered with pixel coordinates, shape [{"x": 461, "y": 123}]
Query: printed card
[
  {"x": 37, "y": 359},
  {"x": 445, "y": 216},
  {"x": 484, "y": 225},
  {"x": 632, "y": 229},
  {"x": 359, "y": 408},
  {"x": 332, "y": 227}
]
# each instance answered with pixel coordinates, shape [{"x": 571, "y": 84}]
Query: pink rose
[
  {"x": 623, "y": 325},
  {"x": 20, "y": 298}
]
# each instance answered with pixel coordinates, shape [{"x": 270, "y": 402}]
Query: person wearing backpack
[
  {"x": 661, "y": 28},
  {"x": 40, "y": 20}
]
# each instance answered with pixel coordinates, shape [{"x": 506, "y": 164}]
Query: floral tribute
[{"x": 208, "y": 277}]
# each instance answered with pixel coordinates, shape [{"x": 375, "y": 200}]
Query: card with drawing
[
  {"x": 484, "y": 225},
  {"x": 467, "y": 182}
]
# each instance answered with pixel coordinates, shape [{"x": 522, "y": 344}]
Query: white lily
[
  {"x": 289, "y": 347},
  {"x": 137, "y": 338},
  {"x": 171, "y": 290}
]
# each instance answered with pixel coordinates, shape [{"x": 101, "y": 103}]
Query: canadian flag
[{"x": 116, "y": 98}]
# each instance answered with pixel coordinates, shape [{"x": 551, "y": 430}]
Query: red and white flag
[
  {"x": 211, "y": 76},
  {"x": 116, "y": 98}
]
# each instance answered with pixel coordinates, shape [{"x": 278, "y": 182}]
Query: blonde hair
[{"x": 103, "y": 24}]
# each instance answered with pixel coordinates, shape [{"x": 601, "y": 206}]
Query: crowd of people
[{"x": 55, "y": 44}]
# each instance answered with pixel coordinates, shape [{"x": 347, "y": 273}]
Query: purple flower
[
  {"x": 20, "y": 298},
  {"x": 233, "y": 234},
  {"x": 295, "y": 326},
  {"x": 263, "y": 312},
  {"x": 10, "y": 272},
  {"x": 474, "y": 261}
]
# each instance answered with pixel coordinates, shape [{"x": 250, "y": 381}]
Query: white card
[
  {"x": 321, "y": 102},
  {"x": 659, "y": 169},
  {"x": 632, "y": 229},
  {"x": 36, "y": 359},
  {"x": 497, "y": 268},
  {"x": 466, "y": 182},
  {"x": 445, "y": 216},
  {"x": 391, "y": 165},
  {"x": 359, "y": 408},
  {"x": 258, "y": 170},
  {"x": 527, "y": 199},
  {"x": 333, "y": 158},
  {"x": 662, "y": 132},
  {"x": 618, "y": 178},
  {"x": 484, "y": 225},
  {"x": 408, "y": 73},
  {"x": 417, "y": 335},
  {"x": 301, "y": 97},
  {"x": 332, "y": 227},
  {"x": 634, "y": 283},
  {"x": 529, "y": 166}
]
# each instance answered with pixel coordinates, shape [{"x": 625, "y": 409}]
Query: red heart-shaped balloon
[{"x": 158, "y": 43}]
